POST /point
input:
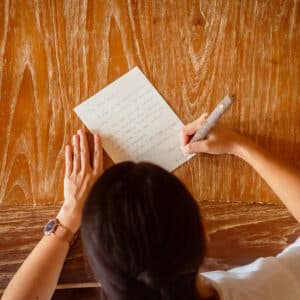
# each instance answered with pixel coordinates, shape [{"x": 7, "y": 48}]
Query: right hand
[{"x": 219, "y": 141}]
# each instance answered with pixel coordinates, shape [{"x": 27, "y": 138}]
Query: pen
[{"x": 212, "y": 119}]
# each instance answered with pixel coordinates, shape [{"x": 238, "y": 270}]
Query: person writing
[{"x": 143, "y": 233}]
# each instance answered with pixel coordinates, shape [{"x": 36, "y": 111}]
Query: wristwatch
[{"x": 62, "y": 232}]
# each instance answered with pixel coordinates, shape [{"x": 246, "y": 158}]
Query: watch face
[{"x": 49, "y": 227}]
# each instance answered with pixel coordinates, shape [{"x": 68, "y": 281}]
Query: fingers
[
  {"x": 68, "y": 159},
  {"x": 195, "y": 147},
  {"x": 191, "y": 128},
  {"x": 84, "y": 150},
  {"x": 98, "y": 154},
  {"x": 78, "y": 156},
  {"x": 76, "y": 153}
]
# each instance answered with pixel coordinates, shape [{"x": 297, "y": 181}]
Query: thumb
[{"x": 195, "y": 147}]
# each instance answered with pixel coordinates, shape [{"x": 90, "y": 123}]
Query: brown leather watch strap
[{"x": 64, "y": 233}]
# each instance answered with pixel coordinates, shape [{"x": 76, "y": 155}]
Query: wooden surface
[
  {"x": 78, "y": 293},
  {"x": 55, "y": 54},
  {"x": 239, "y": 233}
]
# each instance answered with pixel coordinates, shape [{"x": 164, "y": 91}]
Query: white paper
[{"x": 135, "y": 122}]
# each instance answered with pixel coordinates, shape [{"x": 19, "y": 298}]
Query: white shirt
[{"x": 270, "y": 278}]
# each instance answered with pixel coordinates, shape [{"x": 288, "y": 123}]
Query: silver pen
[{"x": 212, "y": 119}]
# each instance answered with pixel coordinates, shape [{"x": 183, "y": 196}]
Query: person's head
[{"x": 142, "y": 234}]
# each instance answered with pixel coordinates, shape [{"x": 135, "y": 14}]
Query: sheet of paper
[{"x": 135, "y": 122}]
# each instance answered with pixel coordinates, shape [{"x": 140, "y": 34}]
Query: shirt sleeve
[
  {"x": 266, "y": 278},
  {"x": 290, "y": 259}
]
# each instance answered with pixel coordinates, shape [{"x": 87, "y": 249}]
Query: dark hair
[{"x": 142, "y": 234}]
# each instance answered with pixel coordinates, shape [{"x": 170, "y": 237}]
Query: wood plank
[
  {"x": 239, "y": 233},
  {"x": 78, "y": 294},
  {"x": 55, "y": 54}
]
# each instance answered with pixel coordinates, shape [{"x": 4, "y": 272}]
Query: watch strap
[{"x": 64, "y": 233}]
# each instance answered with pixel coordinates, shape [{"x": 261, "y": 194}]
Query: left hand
[{"x": 80, "y": 175}]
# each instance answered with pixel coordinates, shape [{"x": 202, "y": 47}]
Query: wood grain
[
  {"x": 239, "y": 233},
  {"x": 78, "y": 294},
  {"x": 55, "y": 54}
]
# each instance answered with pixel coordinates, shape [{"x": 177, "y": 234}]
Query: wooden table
[
  {"x": 55, "y": 54},
  {"x": 239, "y": 233}
]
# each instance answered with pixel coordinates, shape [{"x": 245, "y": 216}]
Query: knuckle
[
  {"x": 199, "y": 146},
  {"x": 188, "y": 148}
]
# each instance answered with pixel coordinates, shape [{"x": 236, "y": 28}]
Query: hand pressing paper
[{"x": 135, "y": 122}]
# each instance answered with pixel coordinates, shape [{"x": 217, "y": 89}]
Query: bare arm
[
  {"x": 283, "y": 178},
  {"x": 38, "y": 276}
]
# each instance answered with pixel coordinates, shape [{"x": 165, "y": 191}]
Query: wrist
[
  {"x": 240, "y": 144},
  {"x": 243, "y": 147},
  {"x": 70, "y": 217},
  {"x": 60, "y": 231}
]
